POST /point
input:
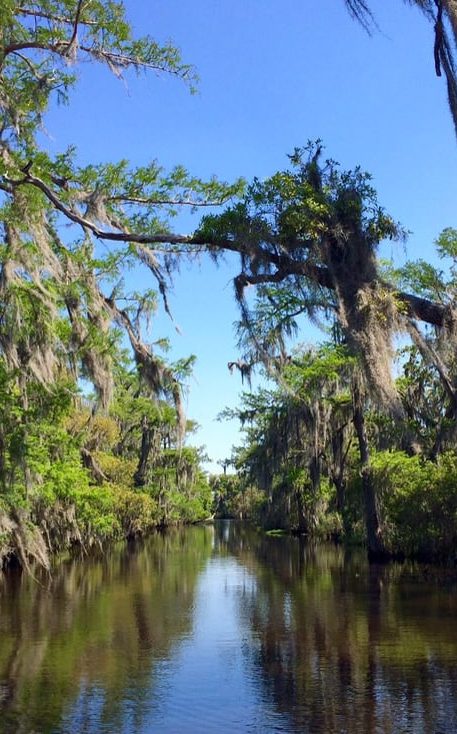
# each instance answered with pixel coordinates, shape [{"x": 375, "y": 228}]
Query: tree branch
[
  {"x": 416, "y": 307},
  {"x": 75, "y": 25},
  {"x": 124, "y": 199},
  {"x": 124, "y": 61},
  {"x": 115, "y": 60},
  {"x": 29, "y": 45},
  {"x": 55, "y": 18}
]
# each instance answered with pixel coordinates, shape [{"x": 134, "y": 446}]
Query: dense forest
[{"x": 354, "y": 438}]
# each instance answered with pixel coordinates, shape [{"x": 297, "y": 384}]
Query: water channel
[{"x": 222, "y": 629}]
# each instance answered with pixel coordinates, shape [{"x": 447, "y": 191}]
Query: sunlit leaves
[
  {"x": 446, "y": 243},
  {"x": 65, "y": 306},
  {"x": 424, "y": 278}
]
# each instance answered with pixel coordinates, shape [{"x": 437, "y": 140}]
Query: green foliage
[
  {"x": 80, "y": 471},
  {"x": 420, "y": 503},
  {"x": 423, "y": 278},
  {"x": 40, "y": 42},
  {"x": 119, "y": 470},
  {"x": 296, "y": 207},
  {"x": 71, "y": 468},
  {"x": 297, "y": 437},
  {"x": 136, "y": 512},
  {"x": 233, "y": 497},
  {"x": 446, "y": 243},
  {"x": 314, "y": 370},
  {"x": 428, "y": 280}
]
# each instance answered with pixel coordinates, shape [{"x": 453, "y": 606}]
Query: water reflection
[
  {"x": 344, "y": 647},
  {"x": 223, "y": 629},
  {"x": 82, "y": 655}
]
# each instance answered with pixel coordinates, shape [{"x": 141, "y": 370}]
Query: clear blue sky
[{"x": 272, "y": 75}]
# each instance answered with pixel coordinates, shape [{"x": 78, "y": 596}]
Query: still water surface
[{"x": 220, "y": 629}]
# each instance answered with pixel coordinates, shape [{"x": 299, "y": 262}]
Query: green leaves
[
  {"x": 429, "y": 281},
  {"x": 424, "y": 279},
  {"x": 65, "y": 307},
  {"x": 314, "y": 371},
  {"x": 446, "y": 243}
]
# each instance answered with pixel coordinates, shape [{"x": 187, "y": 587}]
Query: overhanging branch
[{"x": 416, "y": 307}]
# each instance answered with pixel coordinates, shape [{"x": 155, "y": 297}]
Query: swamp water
[{"x": 220, "y": 629}]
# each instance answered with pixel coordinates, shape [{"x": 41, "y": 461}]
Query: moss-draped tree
[{"x": 64, "y": 309}]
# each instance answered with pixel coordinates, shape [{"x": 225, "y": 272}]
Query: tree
[
  {"x": 64, "y": 309},
  {"x": 123, "y": 206},
  {"x": 297, "y": 437},
  {"x": 308, "y": 239},
  {"x": 434, "y": 376},
  {"x": 42, "y": 271},
  {"x": 311, "y": 231}
]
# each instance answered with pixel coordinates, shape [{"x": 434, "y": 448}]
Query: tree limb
[
  {"x": 74, "y": 35},
  {"x": 416, "y": 307},
  {"x": 55, "y": 18}
]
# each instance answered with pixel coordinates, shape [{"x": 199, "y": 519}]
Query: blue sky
[{"x": 272, "y": 75}]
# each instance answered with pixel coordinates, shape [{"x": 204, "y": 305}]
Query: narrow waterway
[{"x": 221, "y": 629}]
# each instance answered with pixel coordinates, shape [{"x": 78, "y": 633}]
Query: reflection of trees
[
  {"x": 344, "y": 647},
  {"x": 334, "y": 645},
  {"x": 96, "y": 634}
]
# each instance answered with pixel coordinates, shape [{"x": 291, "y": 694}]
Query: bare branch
[
  {"x": 73, "y": 40},
  {"x": 54, "y": 18},
  {"x": 125, "y": 199}
]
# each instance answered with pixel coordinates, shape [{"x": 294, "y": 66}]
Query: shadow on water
[
  {"x": 308, "y": 639},
  {"x": 344, "y": 646},
  {"x": 96, "y": 635}
]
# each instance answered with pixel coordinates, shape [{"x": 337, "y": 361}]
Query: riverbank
[
  {"x": 88, "y": 518},
  {"x": 415, "y": 497}
]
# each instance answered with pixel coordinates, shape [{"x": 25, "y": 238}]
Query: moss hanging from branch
[{"x": 313, "y": 231}]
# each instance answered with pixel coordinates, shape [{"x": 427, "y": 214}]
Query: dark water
[{"x": 224, "y": 630}]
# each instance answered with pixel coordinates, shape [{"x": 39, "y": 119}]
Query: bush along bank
[{"x": 75, "y": 480}]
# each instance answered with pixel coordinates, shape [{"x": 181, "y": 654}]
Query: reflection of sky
[
  {"x": 263, "y": 637},
  {"x": 209, "y": 690},
  {"x": 206, "y": 686}
]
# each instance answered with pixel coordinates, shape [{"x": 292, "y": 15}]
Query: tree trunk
[
  {"x": 146, "y": 444},
  {"x": 340, "y": 486},
  {"x": 376, "y": 548},
  {"x": 314, "y": 468},
  {"x": 90, "y": 463},
  {"x": 337, "y": 468},
  {"x": 302, "y": 519}
]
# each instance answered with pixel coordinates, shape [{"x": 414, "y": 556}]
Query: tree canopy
[
  {"x": 307, "y": 239},
  {"x": 66, "y": 314}
]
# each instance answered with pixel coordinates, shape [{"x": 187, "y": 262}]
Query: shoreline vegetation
[
  {"x": 94, "y": 445},
  {"x": 416, "y": 499},
  {"x": 79, "y": 504}
]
